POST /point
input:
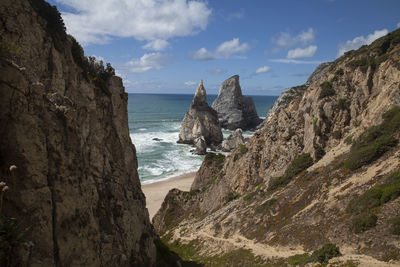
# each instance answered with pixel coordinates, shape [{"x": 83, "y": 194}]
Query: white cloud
[
  {"x": 225, "y": 50},
  {"x": 360, "y": 41},
  {"x": 235, "y": 15},
  {"x": 263, "y": 69},
  {"x": 286, "y": 40},
  {"x": 157, "y": 45},
  {"x": 190, "y": 83},
  {"x": 98, "y": 21},
  {"x": 151, "y": 61},
  {"x": 202, "y": 54},
  {"x": 294, "y": 61},
  {"x": 398, "y": 25},
  {"x": 302, "y": 52}
]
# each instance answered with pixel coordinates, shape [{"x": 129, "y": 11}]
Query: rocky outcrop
[
  {"x": 75, "y": 196},
  {"x": 200, "y": 145},
  {"x": 200, "y": 121},
  {"x": 249, "y": 201},
  {"x": 233, "y": 141},
  {"x": 234, "y": 110}
]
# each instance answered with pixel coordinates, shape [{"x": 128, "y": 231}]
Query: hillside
[{"x": 316, "y": 173}]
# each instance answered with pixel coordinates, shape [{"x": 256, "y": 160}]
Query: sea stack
[
  {"x": 234, "y": 110},
  {"x": 200, "y": 121}
]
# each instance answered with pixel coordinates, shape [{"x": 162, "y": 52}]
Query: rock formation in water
[
  {"x": 316, "y": 173},
  {"x": 233, "y": 141},
  {"x": 75, "y": 197},
  {"x": 234, "y": 110},
  {"x": 200, "y": 121}
]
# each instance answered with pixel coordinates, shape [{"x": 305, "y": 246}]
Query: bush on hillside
[
  {"x": 326, "y": 90},
  {"x": 375, "y": 141}
]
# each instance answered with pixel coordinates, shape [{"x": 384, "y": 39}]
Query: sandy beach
[{"x": 156, "y": 192}]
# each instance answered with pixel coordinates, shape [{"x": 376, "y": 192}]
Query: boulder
[
  {"x": 233, "y": 141},
  {"x": 200, "y": 145},
  {"x": 234, "y": 110},
  {"x": 200, "y": 121}
]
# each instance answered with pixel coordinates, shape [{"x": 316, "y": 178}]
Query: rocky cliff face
[
  {"x": 297, "y": 183},
  {"x": 75, "y": 197},
  {"x": 235, "y": 110},
  {"x": 200, "y": 121}
]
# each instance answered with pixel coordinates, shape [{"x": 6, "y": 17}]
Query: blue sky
[{"x": 167, "y": 46}]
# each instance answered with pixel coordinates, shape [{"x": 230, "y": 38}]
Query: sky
[{"x": 167, "y": 46}]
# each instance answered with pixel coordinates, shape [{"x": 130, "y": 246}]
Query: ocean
[{"x": 159, "y": 116}]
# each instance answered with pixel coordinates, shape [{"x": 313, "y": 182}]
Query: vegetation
[
  {"x": 337, "y": 134},
  {"x": 165, "y": 257},
  {"x": 210, "y": 157},
  {"x": 375, "y": 141},
  {"x": 364, "y": 222},
  {"x": 243, "y": 149},
  {"x": 342, "y": 104},
  {"x": 232, "y": 196},
  {"x": 9, "y": 50},
  {"x": 339, "y": 72},
  {"x": 395, "y": 226},
  {"x": 366, "y": 204},
  {"x": 54, "y": 22},
  {"x": 327, "y": 252},
  {"x": 326, "y": 90},
  {"x": 299, "y": 164},
  {"x": 349, "y": 139},
  {"x": 319, "y": 152},
  {"x": 300, "y": 259},
  {"x": 263, "y": 208}
]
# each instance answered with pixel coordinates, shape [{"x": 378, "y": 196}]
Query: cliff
[
  {"x": 75, "y": 197},
  {"x": 234, "y": 110},
  {"x": 316, "y": 173}
]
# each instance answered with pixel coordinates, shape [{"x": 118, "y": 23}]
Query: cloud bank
[
  {"x": 154, "y": 21},
  {"x": 225, "y": 50}
]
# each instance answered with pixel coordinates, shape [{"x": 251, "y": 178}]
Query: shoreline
[{"x": 155, "y": 192}]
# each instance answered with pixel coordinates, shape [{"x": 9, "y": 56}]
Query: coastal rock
[
  {"x": 200, "y": 145},
  {"x": 233, "y": 141},
  {"x": 76, "y": 196},
  {"x": 200, "y": 120},
  {"x": 234, "y": 110}
]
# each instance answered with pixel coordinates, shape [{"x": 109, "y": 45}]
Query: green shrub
[
  {"x": 299, "y": 164},
  {"x": 164, "y": 256},
  {"x": 263, "y": 208},
  {"x": 327, "y": 252},
  {"x": 231, "y": 196},
  {"x": 337, "y": 134},
  {"x": 364, "y": 205},
  {"x": 54, "y": 22},
  {"x": 243, "y": 149},
  {"x": 342, "y": 104},
  {"x": 250, "y": 196},
  {"x": 375, "y": 141},
  {"x": 326, "y": 90},
  {"x": 300, "y": 259},
  {"x": 339, "y": 72},
  {"x": 319, "y": 152},
  {"x": 395, "y": 226},
  {"x": 212, "y": 157},
  {"x": 349, "y": 139},
  {"x": 364, "y": 222}
]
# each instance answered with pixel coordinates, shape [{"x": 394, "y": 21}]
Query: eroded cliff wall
[{"x": 75, "y": 196}]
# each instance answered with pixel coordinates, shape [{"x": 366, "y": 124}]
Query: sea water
[{"x": 154, "y": 124}]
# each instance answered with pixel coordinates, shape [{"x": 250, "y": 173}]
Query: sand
[{"x": 156, "y": 192}]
